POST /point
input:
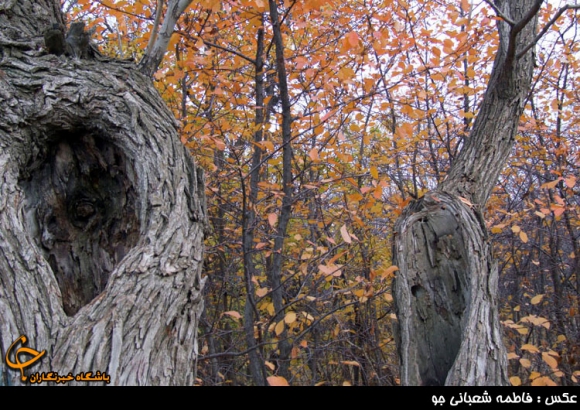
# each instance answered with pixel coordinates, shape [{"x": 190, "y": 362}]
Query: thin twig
[{"x": 546, "y": 28}]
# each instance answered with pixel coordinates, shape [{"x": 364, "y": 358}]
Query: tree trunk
[
  {"x": 102, "y": 213},
  {"x": 448, "y": 331}
]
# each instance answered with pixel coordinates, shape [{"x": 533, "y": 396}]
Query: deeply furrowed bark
[
  {"x": 102, "y": 214},
  {"x": 448, "y": 330}
]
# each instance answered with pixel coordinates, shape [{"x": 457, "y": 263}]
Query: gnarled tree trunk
[
  {"x": 102, "y": 214},
  {"x": 448, "y": 329}
]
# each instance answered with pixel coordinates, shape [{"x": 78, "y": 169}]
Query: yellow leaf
[
  {"x": 515, "y": 381},
  {"x": 536, "y": 299},
  {"x": 375, "y": 172},
  {"x": 512, "y": 355},
  {"x": 279, "y": 328},
  {"x": 277, "y": 381},
  {"x": 272, "y": 219},
  {"x": 553, "y": 363},
  {"x": 526, "y": 363},
  {"x": 268, "y": 145},
  {"x": 515, "y": 229},
  {"x": 344, "y": 233},
  {"x": 530, "y": 348},
  {"x": 261, "y": 292},
  {"x": 351, "y": 363},
  {"x": 290, "y": 318},
  {"x": 523, "y": 237},
  {"x": 550, "y": 185},
  {"x": 543, "y": 381}
]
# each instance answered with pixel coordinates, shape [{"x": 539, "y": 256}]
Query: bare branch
[
  {"x": 154, "y": 55},
  {"x": 229, "y": 50},
  {"x": 546, "y": 28},
  {"x": 153, "y": 36},
  {"x": 500, "y": 13}
]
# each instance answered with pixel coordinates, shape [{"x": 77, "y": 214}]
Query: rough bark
[
  {"x": 448, "y": 331},
  {"x": 102, "y": 213}
]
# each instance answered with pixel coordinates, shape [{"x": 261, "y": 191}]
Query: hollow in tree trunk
[
  {"x": 102, "y": 211},
  {"x": 448, "y": 331}
]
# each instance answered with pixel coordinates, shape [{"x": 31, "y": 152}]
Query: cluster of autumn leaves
[{"x": 381, "y": 94}]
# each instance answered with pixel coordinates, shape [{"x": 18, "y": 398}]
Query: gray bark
[
  {"x": 448, "y": 331},
  {"x": 102, "y": 213}
]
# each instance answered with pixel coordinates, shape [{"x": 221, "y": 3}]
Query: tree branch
[
  {"x": 546, "y": 28},
  {"x": 153, "y": 37},
  {"x": 229, "y": 50},
  {"x": 519, "y": 26},
  {"x": 500, "y": 13},
  {"x": 154, "y": 55}
]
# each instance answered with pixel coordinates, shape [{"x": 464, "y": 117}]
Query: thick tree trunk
[
  {"x": 448, "y": 330},
  {"x": 102, "y": 214}
]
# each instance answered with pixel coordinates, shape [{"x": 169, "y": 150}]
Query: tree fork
[{"x": 448, "y": 331}]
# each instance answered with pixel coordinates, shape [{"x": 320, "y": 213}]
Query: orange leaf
[
  {"x": 279, "y": 328},
  {"x": 352, "y": 39},
  {"x": 313, "y": 154},
  {"x": 272, "y": 219},
  {"x": 543, "y": 381},
  {"x": 515, "y": 381},
  {"x": 550, "y": 185},
  {"x": 234, "y": 314},
  {"x": 277, "y": 381},
  {"x": 344, "y": 233},
  {"x": 570, "y": 181}
]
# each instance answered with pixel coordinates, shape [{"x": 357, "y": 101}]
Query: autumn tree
[
  {"x": 446, "y": 288},
  {"x": 102, "y": 208}
]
